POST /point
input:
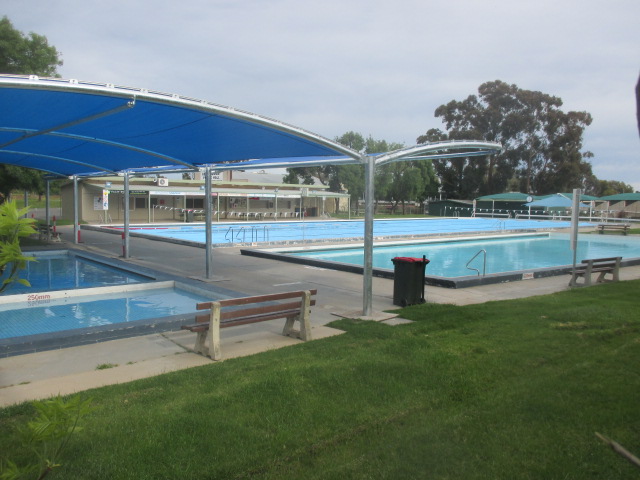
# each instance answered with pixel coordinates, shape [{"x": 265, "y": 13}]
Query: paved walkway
[{"x": 41, "y": 375}]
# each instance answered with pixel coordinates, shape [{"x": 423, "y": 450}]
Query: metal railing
[{"x": 484, "y": 263}]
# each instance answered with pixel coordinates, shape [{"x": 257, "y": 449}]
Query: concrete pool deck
[{"x": 44, "y": 374}]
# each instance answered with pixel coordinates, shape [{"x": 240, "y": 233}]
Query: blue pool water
[
  {"x": 64, "y": 271},
  {"x": 449, "y": 258},
  {"x": 41, "y": 314},
  {"x": 241, "y": 232}
]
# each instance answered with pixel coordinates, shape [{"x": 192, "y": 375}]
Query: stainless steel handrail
[{"x": 484, "y": 264}]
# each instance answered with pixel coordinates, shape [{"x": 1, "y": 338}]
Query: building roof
[
  {"x": 629, "y": 197},
  {"x": 507, "y": 197}
]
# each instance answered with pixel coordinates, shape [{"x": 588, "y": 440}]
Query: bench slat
[
  {"x": 244, "y": 320},
  {"x": 267, "y": 309},
  {"x": 599, "y": 260},
  {"x": 257, "y": 299},
  {"x": 244, "y": 312}
]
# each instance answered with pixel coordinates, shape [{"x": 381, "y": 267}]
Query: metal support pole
[
  {"x": 126, "y": 215},
  {"x": 47, "y": 213},
  {"x": 76, "y": 226},
  {"x": 26, "y": 202},
  {"x": 275, "y": 204},
  {"x": 207, "y": 220},
  {"x": 575, "y": 219},
  {"x": 367, "y": 287}
]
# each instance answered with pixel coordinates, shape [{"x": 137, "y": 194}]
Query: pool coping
[
  {"x": 89, "y": 335},
  {"x": 432, "y": 280}
]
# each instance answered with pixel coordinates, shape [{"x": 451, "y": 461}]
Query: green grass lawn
[
  {"x": 503, "y": 390},
  {"x": 36, "y": 201}
]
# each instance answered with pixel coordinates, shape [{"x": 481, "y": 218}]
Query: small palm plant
[{"x": 13, "y": 227}]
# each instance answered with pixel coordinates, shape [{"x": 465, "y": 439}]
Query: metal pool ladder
[{"x": 484, "y": 263}]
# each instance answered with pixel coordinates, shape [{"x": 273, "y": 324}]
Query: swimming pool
[
  {"x": 64, "y": 270},
  {"x": 35, "y": 313},
  {"x": 50, "y": 320},
  {"x": 508, "y": 257},
  {"x": 90, "y": 298},
  {"x": 339, "y": 230}
]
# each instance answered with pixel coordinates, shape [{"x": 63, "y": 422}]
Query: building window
[{"x": 139, "y": 203}]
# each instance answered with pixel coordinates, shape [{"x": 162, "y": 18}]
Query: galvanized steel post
[
  {"x": 207, "y": 220},
  {"x": 76, "y": 226},
  {"x": 47, "y": 212},
  {"x": 367, "y": 287},
  {"x": 126, "y": 215}
]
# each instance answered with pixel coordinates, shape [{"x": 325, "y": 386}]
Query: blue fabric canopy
[
  {"x": 67, "y": 128},
  {"x": 79, "y": 129}
]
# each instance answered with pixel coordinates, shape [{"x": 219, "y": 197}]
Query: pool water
[
  {"x": 241, "y": 232},
  {"x": 506, "y": 254},
  {"x": 46, "y": 313},
  {"x": 65, "y": 271}
]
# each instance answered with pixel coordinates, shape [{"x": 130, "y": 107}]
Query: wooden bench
[
  {"x": 602, "y": 266},
  {"x": 614, "y": 226},
  {"x": 294, "y": 306}
]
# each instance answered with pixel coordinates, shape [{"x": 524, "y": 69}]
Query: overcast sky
[{"x": 379, "y": 68}]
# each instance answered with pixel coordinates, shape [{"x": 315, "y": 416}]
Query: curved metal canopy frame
[{"x": 72, "y": 128}]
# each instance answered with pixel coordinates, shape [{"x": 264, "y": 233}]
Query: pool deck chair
[{"x": 293, "y": 306}]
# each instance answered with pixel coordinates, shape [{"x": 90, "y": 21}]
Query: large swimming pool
[
  {"x": 504, "y": 254},
  {"x": 312, "y": 231},
  {"x": 509, "y": 257}
]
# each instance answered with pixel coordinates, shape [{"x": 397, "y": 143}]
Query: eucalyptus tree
[
  {"x": 25, "y": 54},
  {"x": 542, "y": 144}
]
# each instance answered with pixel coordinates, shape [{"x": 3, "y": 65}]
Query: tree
[
  {"x": 27, "y": 55},
  {"x": 17, "y": 178},
  {"x": 397, "y": 182},
  {"x": 612, "y": 187},
  {"x": 541, "y": 143}
]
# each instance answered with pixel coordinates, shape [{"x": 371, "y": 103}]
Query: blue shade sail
[{"x": 72, "y": 129}]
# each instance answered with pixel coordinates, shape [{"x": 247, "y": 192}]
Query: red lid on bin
[{"x": 409, "y": 260}]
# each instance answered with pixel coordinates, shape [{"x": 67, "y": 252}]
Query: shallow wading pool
[
  {"x": 65, "y": 270},
  {"x": 80, "y": 298}
]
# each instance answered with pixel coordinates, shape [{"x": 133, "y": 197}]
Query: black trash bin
[{"x": 408, "y": 280}]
